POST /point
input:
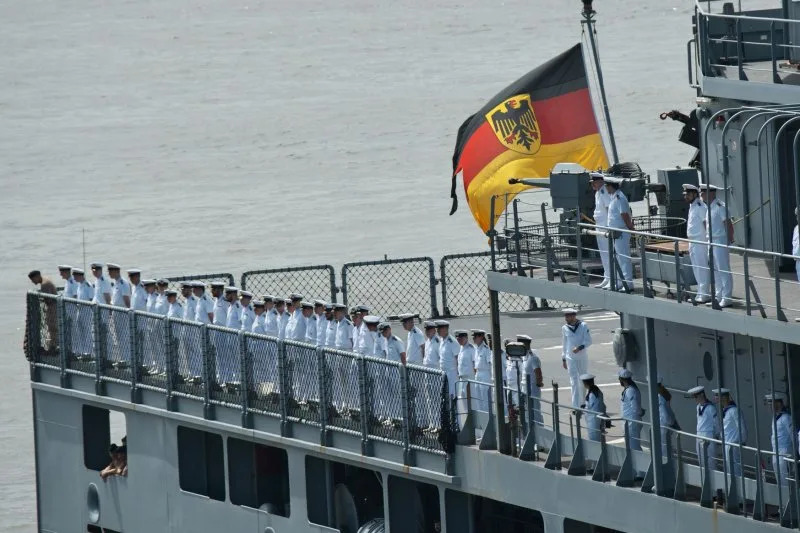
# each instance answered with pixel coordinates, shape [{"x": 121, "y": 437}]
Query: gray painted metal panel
[{"x": 768, "y": 93}]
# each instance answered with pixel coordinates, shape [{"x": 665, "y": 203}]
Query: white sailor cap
[
  {"x": 246, "y": 294},
  {"x": 372, "y": 319},
  {"x": 259, "y": 303},
  {"x": 407, "y": 316},
  {"x": 442, "y": 324},
  {"x": 187, "y": 284},
  {"x": 720, "y": 392},
  {"x": 328, "y": 307},
  {"x": 383, "y": 325},
  {"x": 295, "y": 297},
  {"x": 78, "y": 271},
  {"x": 306, "y": 305},
  {"x": 624, "y": 373},
  {"x": 162, "y": 282},
  {"x": 339, "y": 307},
  {"x": 319, "y": 303},
  {"x": 477, "y": 332},
  {"x": 586, "y": 377},
  {"x": 278, "y": 301},
  {"x": 775, "y": 396},
  {"x": 230, "y": 288},
  {"x": 268, "y": 298},
  {"x": 359, "y": 309},
  {"x": 569, "y": 311},
  {"x": 429, "y": 324},
  {"x": 145, "y": 282},
  {"x": 95, "y": 264},
  {"x": 524, "y": 338},
  {"x": 461, "y": 333},
  {"x": 134, "y": 271},
  {"x": 217, "y": 284},
  {"x": 198, "y": 285},
  {"x": 171, "y": 292},
  {"x": 612, "y": 180},
  {"x": 112, "y": 266},
  {"x": 708, "y": 187},
  {"x": 64, "y": 267},
  {"x": 288, "y": 301},
  {"x": 690, "y": 187},
  {"x": 694, "y": 391},
  {"x": 596, "y": 175}
]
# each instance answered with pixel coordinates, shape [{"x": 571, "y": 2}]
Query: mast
[{"x": 588, "y": 19}]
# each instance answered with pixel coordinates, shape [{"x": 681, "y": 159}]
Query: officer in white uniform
[
  {"x": 273, "y": 320},
  {"x": 102, "y": 285},
  {"x": 139, "y": 294},
  {"x": 483, "y": 367},
  {"x": 150, "y": 288},
  {"x": 320, "y": 324},
  {"x": 735, "y": 430},
  {"x": 368, "y": 341},
  {"x": 619, "y": 217},
  {"x": 392, "y": 346},
  {"x": 357, "y": 318},
  {"x": 174, "y": 309},
  {"x": 259, "y": 325},
  {"x": 221, "y": 308},
  {"x": 721, "y": 233},
  {"x": 782, "y": 440},
  {"x": 415, "y": 343},
  {"x": 82, "y": 327},
  {"x": 190, "y": 302},
  {"x": 217, "y": 292},
  {"x": 344, "y": 328},
  {"x": 119, "y": 335},
  {"x": 594, "y": 405},
  {"x": 601, "y": 201},
  {"x": 696, "y": 231},
  {"x": 707, "y": 425},
  {"x": 448, "y": 354},
  {"x": 466, "y": 366},
  {"x": 120, "y": 287},
  {"x": 631, "y": 402},
  {"x": 235, "y": 310},
  {"x": 666, "y": 416},
  {"x": 330, "y": 331},
  {"x": 301, "y": 324},
  {"x": 393, "y": 350},
  {"x": 295, "y": 314},
  {"x": 285, "y": 317},
  {"x": 204, "y": 310},
  {"x": 248, "y": 315},
  {"x": 161, "y": 305},
  {"x": 532, "y": 372},
  {"x": 576, "y": 338},
  {"x": 311, "y": 325},
  {"x": 432, "y": 341},
  {"x": 70, "y": 287}
]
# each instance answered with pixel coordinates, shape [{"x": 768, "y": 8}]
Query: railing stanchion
[
  {"x": 136, "y": 355},
  {"x": 169, "y": 363},
  {"x": 61, "y": 324},
  {"x": 405, "y": 404},
  {"x": 548, "y": 248},
  {"x": 366, "y": 411},
  {"x": 324, "y": 397},
  {"x": 579, "y": 253},
  {"x": 739, "y": 51},
  {"x": 99, "y": 345},
  {"x": 643, "y": 262},
  {"x": 283, "y": 378},
  {"x": 553, "y": 461},
  {"x": 612, "y": 262},
  {"x": 779, "y": 314},
  {"x": 244, "y": 382},
  {"x": 746, "y": 259},
  {"x": 208, "y": 374},
  {"x": 517, "y": 238}
]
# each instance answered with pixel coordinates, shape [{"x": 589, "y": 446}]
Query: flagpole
[{"x": 588, "y": 19}]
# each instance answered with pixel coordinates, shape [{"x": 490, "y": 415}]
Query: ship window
[
  {"x": 490, "y": 515},
  {"x": 342, "y": 497},
  {"x": 413, "y": 506},
  {"x": 201, "y": 466},
  {"x": 101, "y": 428},
  {"x": 258, "y": 476}
]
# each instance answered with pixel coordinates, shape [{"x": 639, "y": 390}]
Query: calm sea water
[{"x": 224, "y": 136}]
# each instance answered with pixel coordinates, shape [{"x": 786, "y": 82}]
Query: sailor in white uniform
[
  {"x": 594, "y": 405},
  {"x": 285, "y": 317},
  {"x": 273, "y": 320},
  {"x": 301, "y": 324},
  {"x": 221, "y": 307},
  {"x": 483, "y": 368},
  {"x": 735, "y": 430},
  {"x": 295, "y": 314},
  {"x": 340, "y": 336},
  {"x": 432, "y": 341},
  {"x": 532, "y": 372},
  {"x": 466, "y": 368},
  {"x": 235, "y": 310},
  {"x": 721, "y": 232},
  {"x": 174, "y": 309},
  {"x": 601, "y": 201},
  {"x": 357, "y": 318},
  {"x": 781, "y": 438},
  {"x": 631, "y": 402},
  {"x": 102, "y": 285},
  {"x": 311, "y": 325},
  {"x": 330, "y": 332},
  {"x": 448, "y": 355},
  {"x": 70, "y": 287},
  {"x": 138, "y": 294},
  {"x": 707, "y": 426},
  {"x": 248, "y": 315},
  {"x": 161, "y": 305},
  {"x": 320, "y": 326},
  {"x": 118, "y": 340},
  {"x": 393, "y": 350},
  {"x": 666, "y": 416},
  {"x": 698, "y": 251},
  {"x": 204, "y": 310},
  {"x": 259, "y": 325},
  {"x": 619, "y": 217},
  {"x": 344, "y": 328},
  {"x": 82, "y": 327},
  {"x": 368, "y": 340},
  {"x": 576, "y": 338},
  {"x": 415, "y": 342},
  {"x": 189, "y": 301},
  {"x": 150, "y": 288}
]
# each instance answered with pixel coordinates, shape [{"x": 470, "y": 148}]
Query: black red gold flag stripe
[{"x": 543, "y": 118}]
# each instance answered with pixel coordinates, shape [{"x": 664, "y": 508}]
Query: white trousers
[
  {"x": 622, "y": 249},
  {"x": 576, "y": 367},
  {"x": 736, "y": 468},
  {"x": 602, "y": 246},
  {"x": 698, "y": 253},
  {"x": 797, "y": 269},
  {"x": 723, "y": 279},
  {"x": 634, "y": 434},
  {"x": 781, "y": 468}
]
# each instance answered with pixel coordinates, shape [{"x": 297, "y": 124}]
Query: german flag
[{"x": 542, "y": 119}]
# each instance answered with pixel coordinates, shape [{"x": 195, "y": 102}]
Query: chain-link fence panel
[
  {"x": 152, "y": 351},
  {"x": 41, "y": 330},
  {"x": 302, "y": 369},
  {"x": 224, "y": 277},
  {"x": 116, "y": 343},
  {"x": 264, "y": 386},
  {"x": 188, "y": 357},
  {"x": 427, "y": 394},
  {"x": 344, "y": 390},
  {"x": 79, "y": 336},
  {"x": 391, "y": 286},
  {"x": 227, "y": 365},
  {"x": 385, "y": 398},
  {"x": 313, "y": 282}
]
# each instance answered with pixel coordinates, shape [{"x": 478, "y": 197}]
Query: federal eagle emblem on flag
[{"x": 514, "y": 123}]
